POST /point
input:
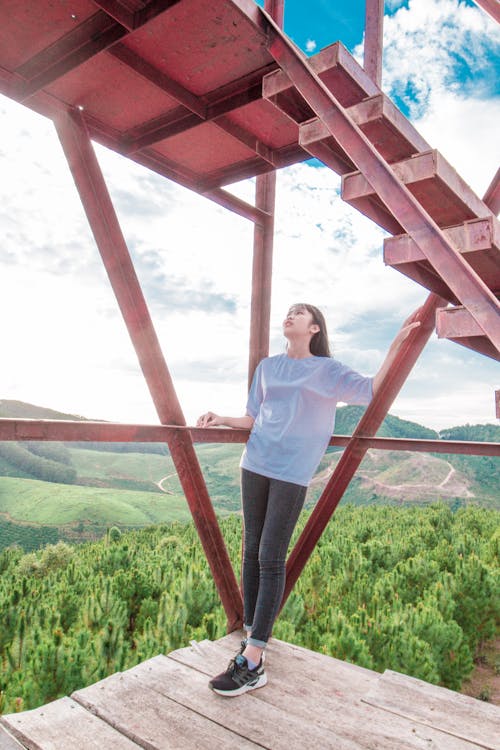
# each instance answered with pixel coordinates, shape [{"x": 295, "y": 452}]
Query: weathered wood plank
[
  {"x": 7, "y": 741},
  {"x": 458, "y": 715},
  {"x": 152, "y": 720},
  {"x": 62, "y": 725},
  {"x": 346, "y": 680},
  {"x": 265, "y": 724},
  {"x": 318, "y": 690}
]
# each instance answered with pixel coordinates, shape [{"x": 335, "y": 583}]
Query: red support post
[
  {"x": 113, "y": 249},
  {"x": 374, "y": 40},
  {"x": 265, "y": 198},
  {"x": 355, "y": 451},
  {"x": 465, "y": 283},
  {"x": 265, "y": 193}
]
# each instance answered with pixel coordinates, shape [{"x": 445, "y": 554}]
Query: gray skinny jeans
[{"x": 271, "y": 509}]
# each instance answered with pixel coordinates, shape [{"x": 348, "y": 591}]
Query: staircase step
[
  {"x": 458, "y": 325},
  {"x": 432, "y": 180},
  {"x": 477, "y": 240},
  {"x": 338, "y": 70},
  {"x": 384, "y": 125}
]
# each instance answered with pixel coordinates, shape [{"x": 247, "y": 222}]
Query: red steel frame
[
  {"x": 104, "y": 223},
  {"x": 467, "y": 286}
]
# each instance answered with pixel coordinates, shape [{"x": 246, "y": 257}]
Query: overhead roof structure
[{"x": 207, "y": 94}]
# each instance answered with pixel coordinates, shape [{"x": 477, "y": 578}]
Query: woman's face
[{"x": 299, "y": 322}]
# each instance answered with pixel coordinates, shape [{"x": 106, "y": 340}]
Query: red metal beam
[
  {"x": 406, "y": 357},
  {"x": 117, "y": 10},
  {"x": 239, "y": 206},
  {"x": 89, "y": 38},
  {"x": 263, "y": 242},
  {"x": 136, "y": 63},
  {"x": 69, "y": 431},
  {"x": 492, "y": 7},
  {"x": 208, "y": 107},
  {"x": 260, "y": 316},
  {"x": 462, "y": 280},
  {"x": 104, "y": 223},
  {"x": 492, "y": 195},
  {"x": 374, "y": 35},
  {"x": 97, "y": 33}
]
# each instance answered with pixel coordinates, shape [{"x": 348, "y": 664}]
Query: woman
[{"x": 291, "y": 413}]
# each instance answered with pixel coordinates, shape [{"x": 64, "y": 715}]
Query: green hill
[{"x": 78, "y": 490}]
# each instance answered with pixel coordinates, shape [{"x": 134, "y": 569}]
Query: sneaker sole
[{"x": 244, "y": 688}]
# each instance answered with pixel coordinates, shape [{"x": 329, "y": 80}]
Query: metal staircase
[{"x": 468, "y": 224}]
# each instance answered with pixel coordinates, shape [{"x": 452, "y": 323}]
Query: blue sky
[{"x": 65, "y": 346}]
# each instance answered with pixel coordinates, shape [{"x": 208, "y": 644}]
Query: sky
[{"x": 63, "y": 342}]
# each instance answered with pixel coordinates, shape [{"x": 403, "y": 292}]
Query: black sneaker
[{"x": 238, "y": 678}]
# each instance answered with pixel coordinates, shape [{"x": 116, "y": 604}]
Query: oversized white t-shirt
[{"x": 293, "y": 403}]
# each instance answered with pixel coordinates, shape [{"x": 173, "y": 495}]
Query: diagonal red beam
[
  {"x": 468, "y": 287},
  {"x": 237, "y": 205},
  {"x": 367, "y": 427},
  {"x": 104, "y": 223},
  {"x": 117, "y": 10},
  {"x": 492, "y": 7},
  {"x": 373, "y": 44}
]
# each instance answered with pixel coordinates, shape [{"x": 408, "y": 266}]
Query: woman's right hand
[{"x": 209, "y": 420}]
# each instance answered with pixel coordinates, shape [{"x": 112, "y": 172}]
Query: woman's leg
[
  {"x": 284, "y": 504},
  {"x": 254, "y": 493}
]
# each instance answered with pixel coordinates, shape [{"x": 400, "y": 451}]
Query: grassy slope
[
  {"x": 33, "y": 501},
  {"x": 124, "y": 486}
]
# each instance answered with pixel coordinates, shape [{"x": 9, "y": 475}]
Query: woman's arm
[
  {"x": 401, "y": 336},
  {"x": 214, "y": 420}
]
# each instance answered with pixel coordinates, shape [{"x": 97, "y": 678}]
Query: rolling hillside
[{"x": 79, "y": 490}]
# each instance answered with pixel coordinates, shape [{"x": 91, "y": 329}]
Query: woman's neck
[{"x": 298, "y": 350}]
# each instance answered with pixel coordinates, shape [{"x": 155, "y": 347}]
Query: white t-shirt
[{"x": 293, "y": 403}]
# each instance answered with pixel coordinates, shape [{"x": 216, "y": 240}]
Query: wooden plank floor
[{"x": 311, "y": 700}]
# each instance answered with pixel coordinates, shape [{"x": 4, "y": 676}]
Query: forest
[{"x": 413, "y": 589}]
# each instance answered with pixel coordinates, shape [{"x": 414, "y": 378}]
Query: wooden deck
[{"x": 310, "y": 700}]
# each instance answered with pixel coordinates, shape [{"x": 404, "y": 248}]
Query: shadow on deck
[{"x": 311, "y": 700}]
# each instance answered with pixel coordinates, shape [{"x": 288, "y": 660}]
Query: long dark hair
[{"x": 319, "y": 345}]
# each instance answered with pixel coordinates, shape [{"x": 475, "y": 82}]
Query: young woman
[{"x": 291, "y": 413}]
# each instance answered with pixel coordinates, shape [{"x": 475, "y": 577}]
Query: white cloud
[
  {"x": 63, "y": 342},
  {"x": 310, "y": 45}
]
